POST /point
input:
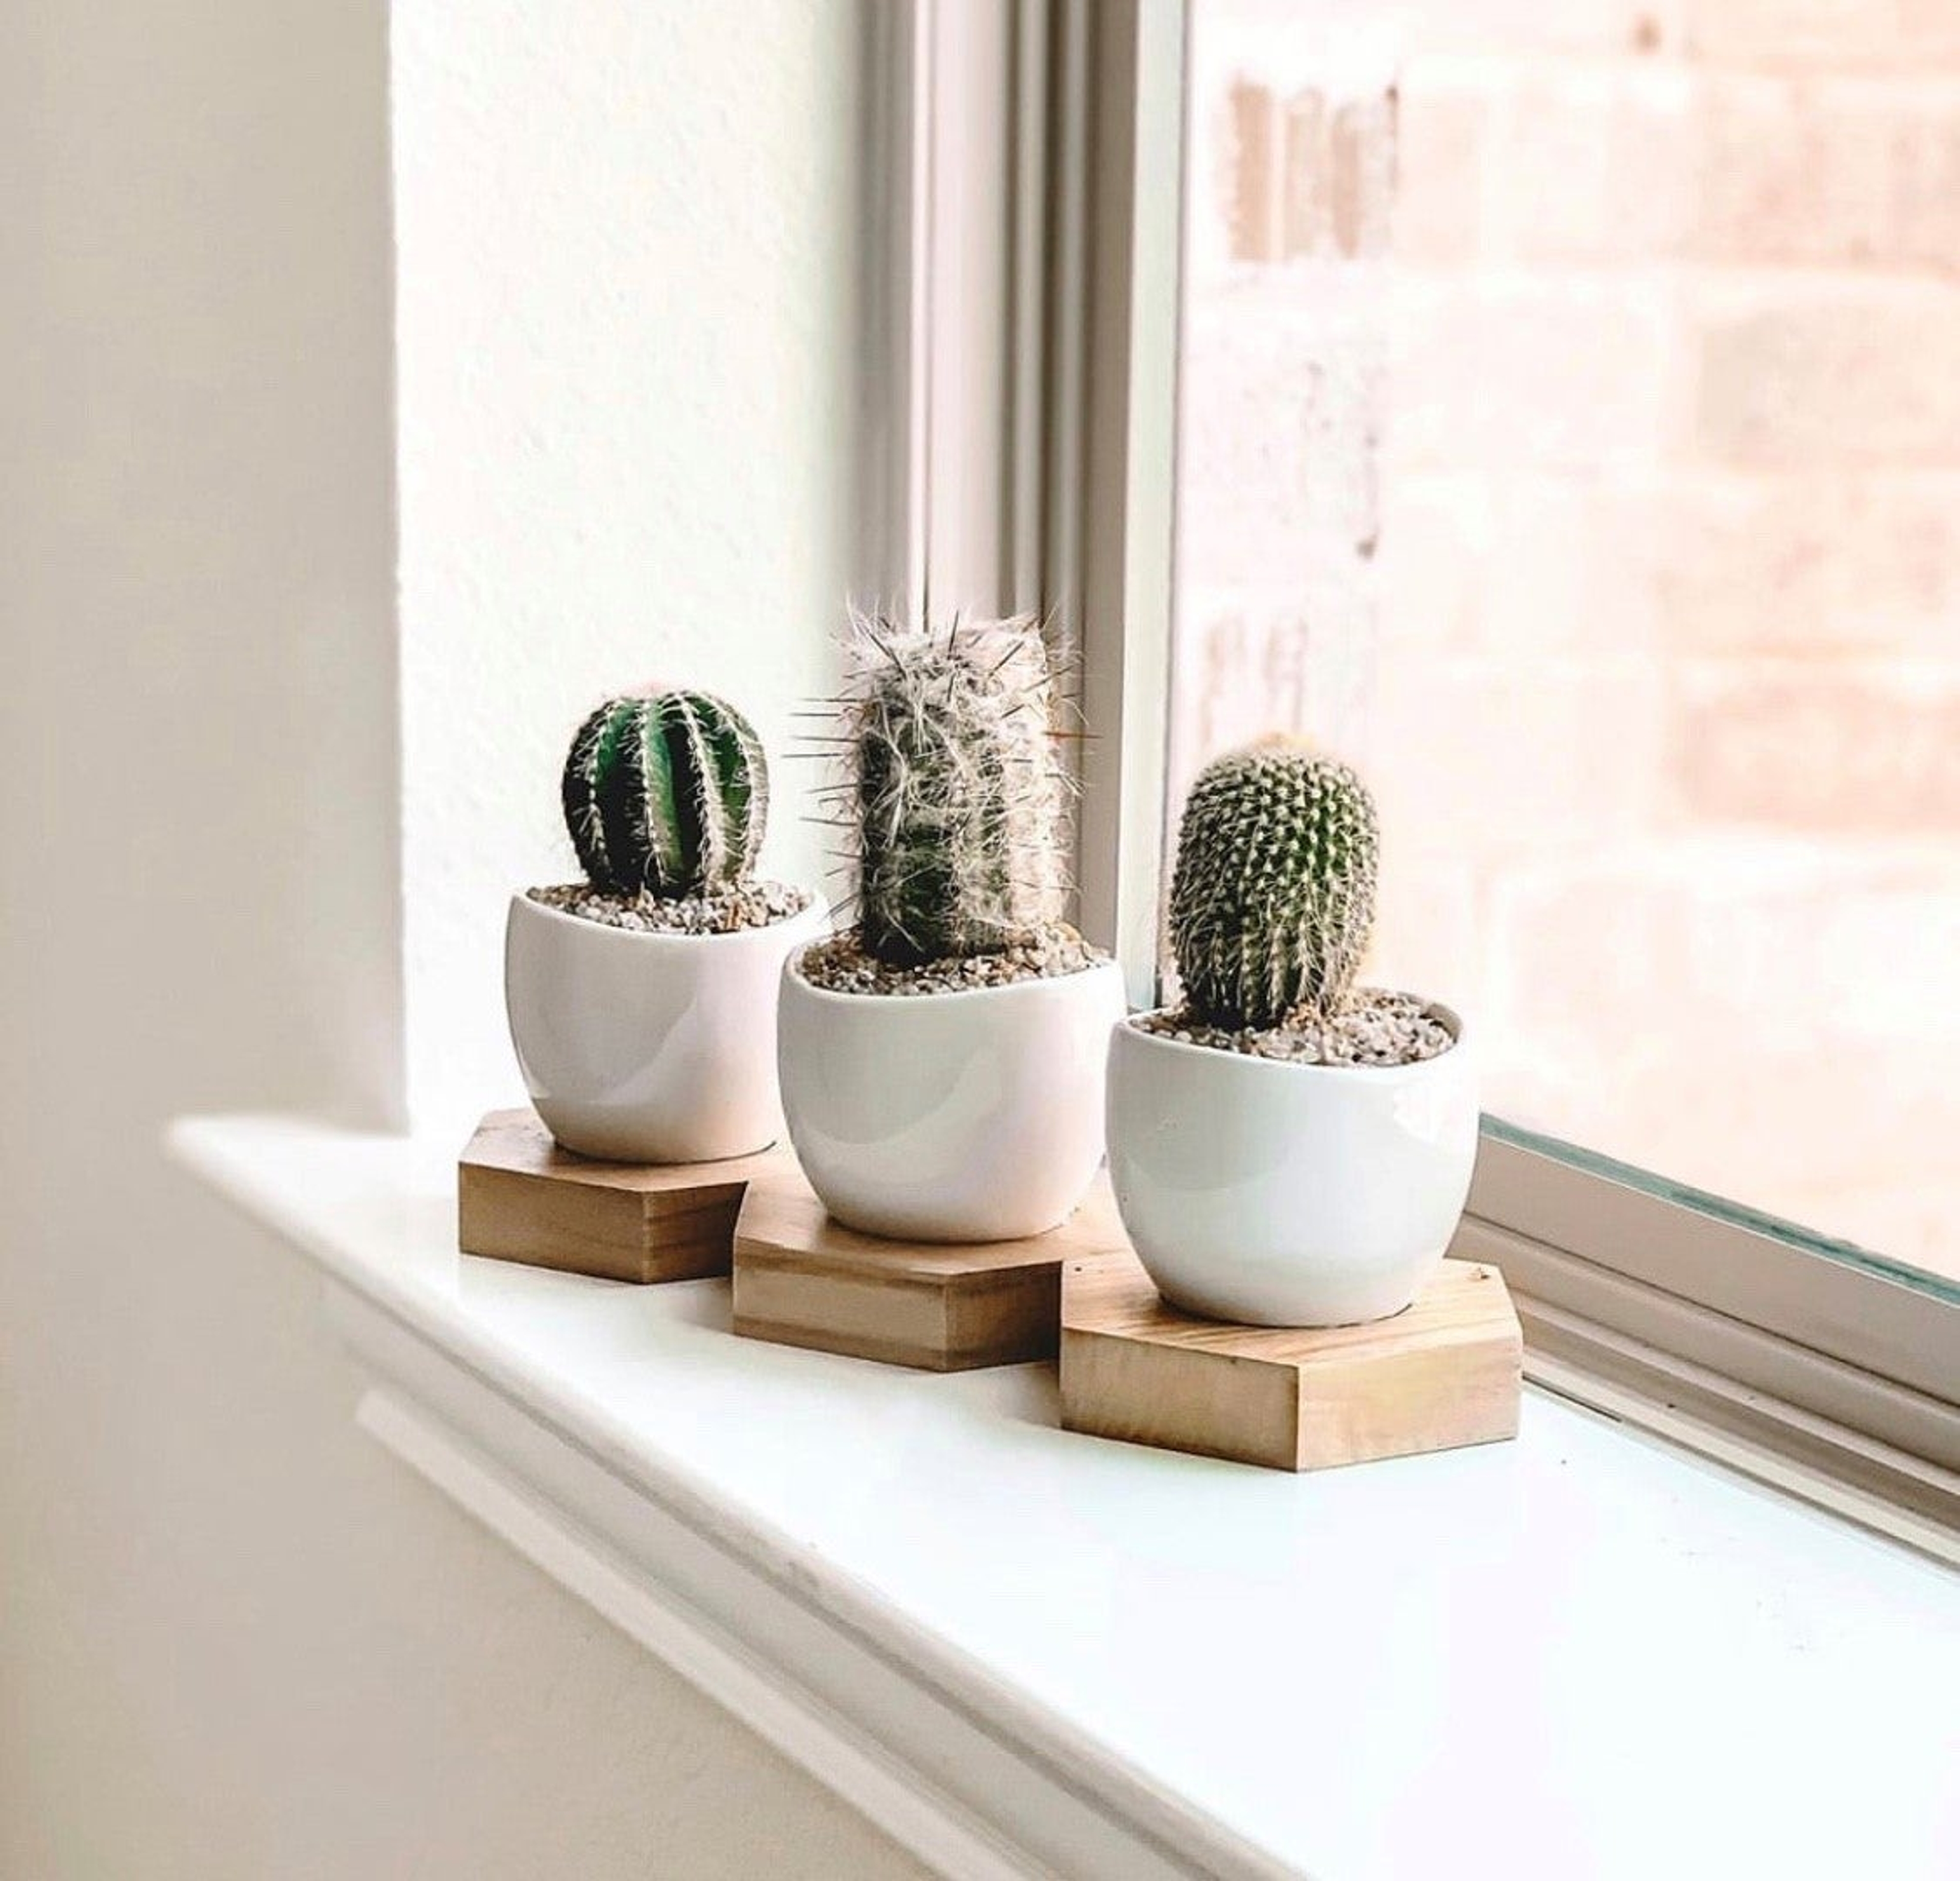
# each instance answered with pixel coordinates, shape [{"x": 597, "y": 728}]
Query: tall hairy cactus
[
  {"x": 959, "y": 797},
  {"x": 1273, "y": 892},
  {"x": 667, "y": 793}
]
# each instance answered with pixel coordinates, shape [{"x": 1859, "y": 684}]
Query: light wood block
[
  {"x": 803, "y": 1279},
  {"x": 520, "y": 1197},
  {"x": 1444, "y": 1372}
]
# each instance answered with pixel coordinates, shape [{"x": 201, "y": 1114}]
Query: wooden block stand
[
  {"x": 520, "y": 1197},
  {"x": 1444, "y": 1372},
  {"x": 803, "y": 1279}
]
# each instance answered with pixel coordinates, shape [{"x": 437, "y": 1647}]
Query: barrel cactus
[
  {"x": 1273, "y": 892},
  {"x": 666, "y": 794},
  {"x": 960, "y": 796}
]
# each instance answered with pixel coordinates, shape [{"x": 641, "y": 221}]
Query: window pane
[{"x": 1570, "y": 435}]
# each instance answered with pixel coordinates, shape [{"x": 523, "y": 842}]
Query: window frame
[
  {"x": 1020, "y": 304},
  {"x": 1022, "y": 291}
]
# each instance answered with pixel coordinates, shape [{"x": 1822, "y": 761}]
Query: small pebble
[
  {"x": 840, "y": 964},
  {"x": 730, "y": 911},
  {"x": 1380, "y": 1028}
]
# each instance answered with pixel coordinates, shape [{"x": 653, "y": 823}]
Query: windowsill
[{"x": 1582, "y": 1652}]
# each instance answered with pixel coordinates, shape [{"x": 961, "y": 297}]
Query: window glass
[{"x": 1569, "y": 434}]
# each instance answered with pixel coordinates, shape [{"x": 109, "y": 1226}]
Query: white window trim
[
  {"x": 1024, "y": 432},
  {"x": 1825, "y": 1380},
  {"x": 1022, "y": 303},
  {"x": 950, "y": 1611}
]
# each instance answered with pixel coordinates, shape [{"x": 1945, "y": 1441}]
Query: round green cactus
[
  {"x": 666, "y": 794},
  {"x": 960, "y": 796},
  {"x": 1273, "y": 892}
]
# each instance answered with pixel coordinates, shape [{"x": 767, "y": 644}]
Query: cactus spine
[
  {"x": 667, "y": 795},
  {"x": 1273, "y": 892},
  {"x": 959, "y": 798}
]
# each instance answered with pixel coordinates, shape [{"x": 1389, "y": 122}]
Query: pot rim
[
  {"x": 1259, "y": 1066},
  {"x": 521, "y": 899},
  {"x": 792, "y": 975}
]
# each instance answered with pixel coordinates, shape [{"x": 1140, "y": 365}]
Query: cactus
[
  {"x": 666, "y": 794},
  {"x": 1273, "y": 892},
  {"x": 959, "y": 798}
]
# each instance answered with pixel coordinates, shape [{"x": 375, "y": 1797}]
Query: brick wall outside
[{"x": 1569, "y": 434}]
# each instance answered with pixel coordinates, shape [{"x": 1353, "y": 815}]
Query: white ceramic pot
[
  {"x": 949, "y": 1117},
  {"x": 645, "y": 1047},
  {"x": 1273, "y": 1194}
]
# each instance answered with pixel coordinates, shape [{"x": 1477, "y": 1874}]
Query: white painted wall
[
  {"x": 235, "y": 1640},
  {"x": 625, "y": 317}
]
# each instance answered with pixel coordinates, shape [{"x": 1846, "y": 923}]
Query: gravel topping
[
  {"x": 1380, "y": 1028},
  {"x": 839, "y": 964},
  {"x": 726, "y": 911}
]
